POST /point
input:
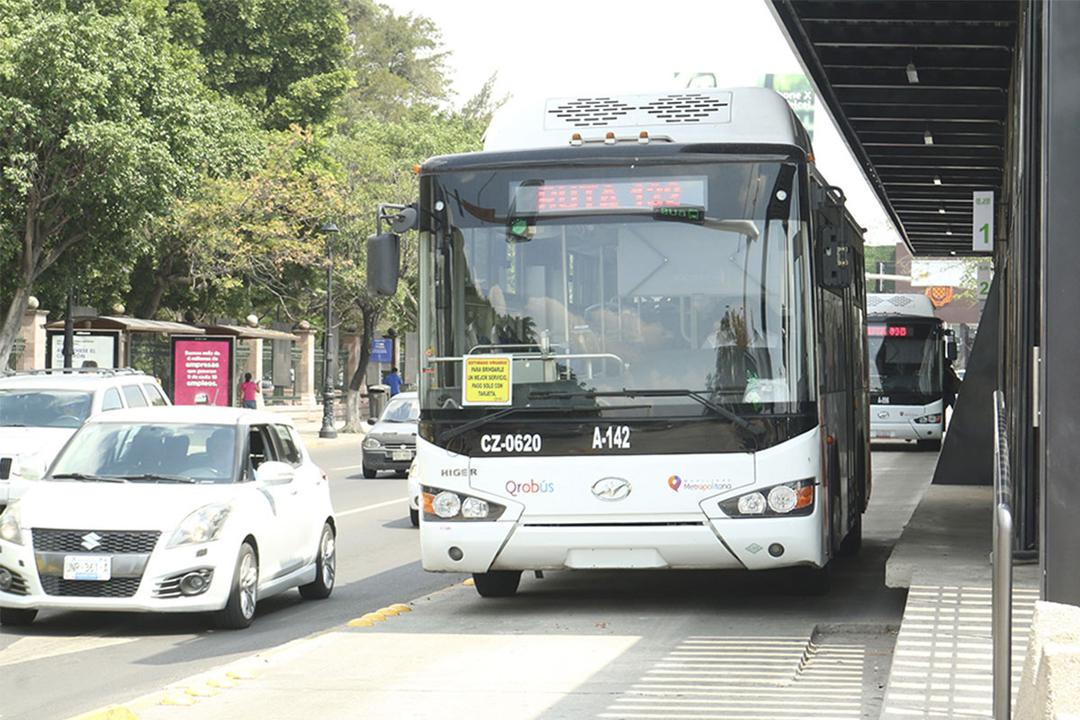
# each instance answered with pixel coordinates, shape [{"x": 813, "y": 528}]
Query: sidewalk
[{"x": 943, "y": 658}]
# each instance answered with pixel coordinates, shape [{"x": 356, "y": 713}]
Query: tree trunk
[
  {"x": 353, "y": 421},
  {"x": 13, "y": 321}
]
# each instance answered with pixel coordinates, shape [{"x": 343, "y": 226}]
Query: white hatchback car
[{"x": 170, "y": 510}]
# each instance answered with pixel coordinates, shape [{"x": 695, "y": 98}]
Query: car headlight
[
  {"x": 786, "y": 499},
  {"x": 449, "y": 505},
  {"x": 372, "y": 443},
  {"x": 9, "y": 525},
  {"x": 929, "y": 419},
  {"x": 202, "y": 526}
]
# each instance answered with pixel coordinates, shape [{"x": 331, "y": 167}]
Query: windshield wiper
[
  {"x": 88, "y": 477},
  {"x": 12, "y": 425},
  {"x": 158, "y": 477}
]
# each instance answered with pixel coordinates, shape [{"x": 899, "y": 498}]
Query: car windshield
[
  {"x": 402, "y": 410},
  {"x": 44, "y": 408},
  {"x": 160, "y": 452}
]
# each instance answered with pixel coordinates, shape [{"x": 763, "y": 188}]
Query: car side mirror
[
  {"x": 275, "y": 473},
  {"x": 32, "y": 467},
  {"x": 383, "y": 263},
  {"x": 372, "y": 421}
]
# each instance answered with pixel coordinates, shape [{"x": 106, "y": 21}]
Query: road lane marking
[
  {"x": 32, "y": 648},
  {"x": 376, "y": 506}
]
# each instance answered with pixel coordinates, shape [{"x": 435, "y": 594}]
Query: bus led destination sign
[
  {"x": 889, "y": 331},
  {"x": 551, "y": 198}
]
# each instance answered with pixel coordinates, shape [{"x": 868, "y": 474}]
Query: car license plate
[
  {"x": 884, "y": 434},
  {"x": 400, "y": 455},
  {"x": 87, "y": 567}
]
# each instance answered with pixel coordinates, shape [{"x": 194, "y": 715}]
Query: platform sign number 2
[{"x": 982, "y": 235}]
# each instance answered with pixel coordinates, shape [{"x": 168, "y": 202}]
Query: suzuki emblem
[
  {"x": 91, "y": 541},
  {"x": 611, "y": 488}
]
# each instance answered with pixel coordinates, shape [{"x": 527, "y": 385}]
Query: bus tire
[
  {"x": 497, "y": 583},
  {"x": 852, "y": 543},
  {"x": 929, "y": 445}
]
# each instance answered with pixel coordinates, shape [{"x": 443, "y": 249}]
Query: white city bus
[
  {"x": 642, "y": 322},
  {"x": 907, "y": 347}
]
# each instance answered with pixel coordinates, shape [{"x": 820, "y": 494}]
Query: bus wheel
[
  {"x": 929, "y": 444},
  {"x": 852, "y": 544},
  {"x": 497, "y": 583}
]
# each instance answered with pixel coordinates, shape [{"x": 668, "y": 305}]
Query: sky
[{"x": 563, "y": 47}]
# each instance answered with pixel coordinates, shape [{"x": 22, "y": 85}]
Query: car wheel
[
  {"x": 414, "y": 517},
  {"x": 239, "y": 611},
  {"x": 16, "y": 617},
  {"x": 370, "y": 473},
  {"x": 325, "y": 567},
  {"x": 497, "y": 583}
]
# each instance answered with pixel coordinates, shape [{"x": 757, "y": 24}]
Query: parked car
[
  {"x": 414, "y": 495},
  {"x": 391, "y": 443},
  {"x": 170, "y": 509},
  {"x": 40, "y": 411}
]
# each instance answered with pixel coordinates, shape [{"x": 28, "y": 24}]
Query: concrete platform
[{"x": 942, "y": 662}]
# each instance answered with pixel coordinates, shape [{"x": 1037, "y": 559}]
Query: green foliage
[
  {"x": 284, "y": 59},
  {"x": 397, "y": 62},
  {"x": 106, "y": 122}
]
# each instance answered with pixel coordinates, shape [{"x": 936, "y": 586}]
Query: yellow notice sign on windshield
[{"x": 488, "y": 380}]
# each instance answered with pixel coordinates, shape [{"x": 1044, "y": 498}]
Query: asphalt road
[
  {"x": 70, "y": 662},
  {"x": 597, "y": 644}
]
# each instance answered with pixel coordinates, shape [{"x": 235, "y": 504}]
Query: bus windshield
[
  {"x": 905, "y": 358},
  {"x": 621, "y": 287}
]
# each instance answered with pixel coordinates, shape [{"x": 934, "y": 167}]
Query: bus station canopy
[
  {"x": 245, "y": 332},
  {"x": 920, "y": 92},
  {"x": 130, "y": 325}
]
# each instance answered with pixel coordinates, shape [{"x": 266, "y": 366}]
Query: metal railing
[{"x": 1001, "y": 590}]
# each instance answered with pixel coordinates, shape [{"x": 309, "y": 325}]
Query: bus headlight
[
  {"x": 934, "y": 419},
  {"x": 786, "y": 499},
  {"x": 448, "y": 505},
  {"x": 752, "y": 504}
]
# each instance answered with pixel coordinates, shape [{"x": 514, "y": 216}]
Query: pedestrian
[
  {"x": 950, "y": 386},
  {"x": 249, "y": 391},
  {"x": 394, "y": 381}
]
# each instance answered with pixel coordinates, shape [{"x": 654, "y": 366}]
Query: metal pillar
[
  {"x": 327, "y": 430},
  {"x": 1059, "y": 387}
]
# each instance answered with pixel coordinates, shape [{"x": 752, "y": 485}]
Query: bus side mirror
[
  {"x": 950, "y": 347},
  {"x": 383, "y": 263}
]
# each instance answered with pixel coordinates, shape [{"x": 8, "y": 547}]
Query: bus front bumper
[
  {"x": 904, "y": 431},
  {"x": 725, "y": 543}
]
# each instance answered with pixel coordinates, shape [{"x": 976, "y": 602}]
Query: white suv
[{"x": 41, "y": 409}]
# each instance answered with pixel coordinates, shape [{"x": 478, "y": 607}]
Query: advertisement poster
[
  {"x": 92, "y": 348},
  {"x": 202, "y": 370},
  {"x": 799, "y": 93}
]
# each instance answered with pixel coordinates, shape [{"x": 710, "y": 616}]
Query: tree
[
  {"x": 106, "y": 121},
  {"x": 284, "y": 59},
  {"x": 397, "y": 62}
]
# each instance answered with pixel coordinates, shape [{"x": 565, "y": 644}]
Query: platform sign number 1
[{"x": 982, "y": 231}]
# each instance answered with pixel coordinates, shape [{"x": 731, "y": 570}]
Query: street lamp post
[{"x": 327, "y": 430}]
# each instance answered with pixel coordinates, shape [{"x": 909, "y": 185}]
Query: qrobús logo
[
  {"x": 676, "y": 483},
  {"x": 531, "y": 487}
]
